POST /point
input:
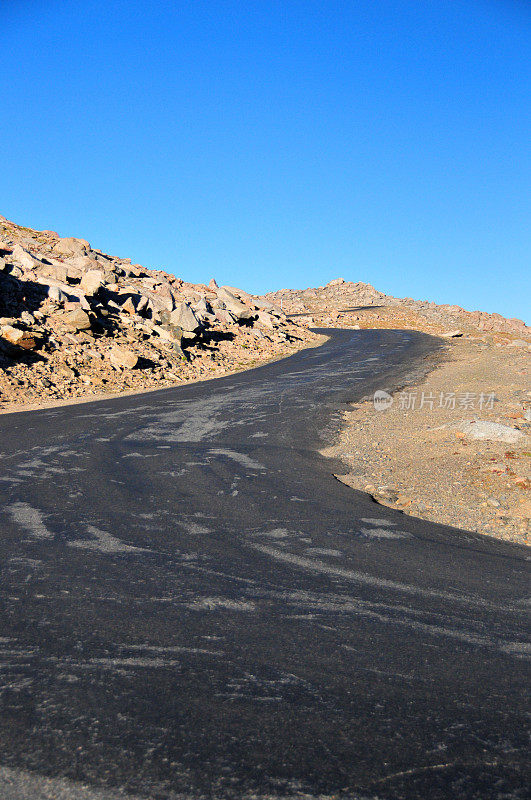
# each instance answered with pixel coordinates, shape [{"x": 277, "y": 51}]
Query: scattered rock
[
  {"x": 364, "y": 304},
  {"x": 119, "y": 357},
  {"x": 494, "y": 431},
  {"x": 82, "y": 305},
  {"x": 92, "y": 281},
  {"x": 184, "y": 318},
  {"x": 18, "y": 337},
  {"x": 77, "y": 320}
]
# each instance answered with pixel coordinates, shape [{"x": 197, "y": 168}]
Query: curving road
[{"x": 193, "y": 607}]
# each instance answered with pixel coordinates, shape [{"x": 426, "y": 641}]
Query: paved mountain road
[{"x": 192, "y": 606}]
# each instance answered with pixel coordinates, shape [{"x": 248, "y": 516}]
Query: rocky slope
[
  {"x": 75, "y": 321},
  {"x": 359, "y": 304}
]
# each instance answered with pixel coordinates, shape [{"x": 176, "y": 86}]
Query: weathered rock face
[
  {"x": 184, "y": 318},
  {"x": 99, "y": 323},
  {"x": 71, "y": 247},
  {"x": 23, "y": 258},
  {"x": 238, "y": 309}
]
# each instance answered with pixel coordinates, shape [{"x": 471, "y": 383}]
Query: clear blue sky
[{"x": 279, "y": 144}]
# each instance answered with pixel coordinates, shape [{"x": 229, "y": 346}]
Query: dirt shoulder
[{"x": 454, "y": 449}]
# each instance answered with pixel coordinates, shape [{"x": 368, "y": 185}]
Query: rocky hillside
[
  {"x": 75, "y": 321},
  {"x": 361, "y": 305}
]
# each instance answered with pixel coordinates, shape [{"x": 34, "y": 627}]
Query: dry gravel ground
[{"x": 414, "y": 457}]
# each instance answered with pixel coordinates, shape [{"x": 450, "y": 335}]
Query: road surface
[{"x": 192, "y": 606}]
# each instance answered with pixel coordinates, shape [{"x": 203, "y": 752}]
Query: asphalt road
[{"x": 192, "y": 606}]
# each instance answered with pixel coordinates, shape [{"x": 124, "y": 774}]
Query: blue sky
[{"x": 279, "y": 144}]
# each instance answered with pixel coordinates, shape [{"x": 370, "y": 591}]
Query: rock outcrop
[{"x": 77, "y": 321}]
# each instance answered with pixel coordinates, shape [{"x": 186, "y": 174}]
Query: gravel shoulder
[{"x": 453, "y": 447}]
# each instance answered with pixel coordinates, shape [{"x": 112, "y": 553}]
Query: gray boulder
[
  {"x": 84, "y": 263},
  {"x": 60, "y": 272},
  {"x": 184, "y": 318},
  {"x": 265, "y": 305},
  {"x": 92, "y": 281},
  {"x": 56, "y": 295},
  {"x": 77, "y": 320},
  {"x": 24, "y": 259},
  {"x": 70, "y": 246},
  {"x": 235, "y": 306},
  {"x": 202, "y": 310},
  {"x": 57, "y": 273},
  {"x": 122, "y": 358},
  {"x": 223, "y": 315},
  {"x": 267, "y": 320}
]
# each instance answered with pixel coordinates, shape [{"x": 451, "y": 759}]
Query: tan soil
[{"x": 417, "y": 460}]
